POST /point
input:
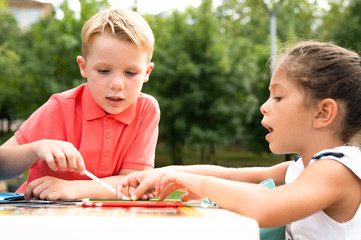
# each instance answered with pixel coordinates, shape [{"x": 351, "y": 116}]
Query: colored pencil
[{"x": 130, "y": 204}]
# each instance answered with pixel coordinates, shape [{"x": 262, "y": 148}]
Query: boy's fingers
[
  {"x": 49, "y": 158},
  {"x": 72, "y": 162},
  {"x": 61, "y": 159},
  {"x": 31, "y": 190},
  {"x": 80, "y": 164}
]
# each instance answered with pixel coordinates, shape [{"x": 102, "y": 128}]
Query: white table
[{"x": 87, "y": 223}]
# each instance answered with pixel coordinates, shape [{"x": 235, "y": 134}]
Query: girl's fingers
[
  {"x": 168, "y": 190},
  {"x": 142, "y": 189}
]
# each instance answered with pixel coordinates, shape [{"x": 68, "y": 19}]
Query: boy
[{"x": 106, "y": 125}]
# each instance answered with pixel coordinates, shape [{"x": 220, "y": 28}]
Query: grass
[{"x": 228, "y": 157}]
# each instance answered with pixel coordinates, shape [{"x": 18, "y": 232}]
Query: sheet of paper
[{"x": 8, "y": 196}]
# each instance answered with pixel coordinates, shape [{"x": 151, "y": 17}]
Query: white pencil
[{"x": 106, "y": 185}]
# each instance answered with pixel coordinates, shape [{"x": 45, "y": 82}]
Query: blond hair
[{"x": 119, "y": 23}]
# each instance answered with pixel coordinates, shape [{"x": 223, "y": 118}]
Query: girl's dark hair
[{"x": 324, "y": 70}]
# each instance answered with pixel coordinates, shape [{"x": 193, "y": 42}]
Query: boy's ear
[
  {"x": 82, "y": 66},
  {"x": 149, "y": 70},
  {"x": 326, "y": 113}
]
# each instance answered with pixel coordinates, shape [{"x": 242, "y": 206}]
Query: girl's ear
[
  {"x": 82, "y": 66},
  {"x": 326, "y": 113}
]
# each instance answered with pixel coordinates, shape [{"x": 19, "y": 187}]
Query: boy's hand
[
  {"x": 172, "y": 181},
  {"x": 51, "y": 188},
  {"x": 141, "y": 184},
  {"x": 61, "y": 152}
]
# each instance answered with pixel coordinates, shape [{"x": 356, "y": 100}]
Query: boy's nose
[{"x": 117, "y": 83}]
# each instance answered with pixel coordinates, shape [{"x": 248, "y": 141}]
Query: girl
[{"x": 313, "y": 111}]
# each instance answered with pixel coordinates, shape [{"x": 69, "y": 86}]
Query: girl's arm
[
  {"x": 250, "y": 174},
  {"x": 145, "y": 181},
  {"x": 324, "y": 185}
]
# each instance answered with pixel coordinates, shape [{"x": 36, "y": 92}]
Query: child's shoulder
[
  {"x": 350, "y": 156},
  {"x": 147, "y": 97},
  {"x": 147, "y": 100},
  {"x": 73, "y": 93}
]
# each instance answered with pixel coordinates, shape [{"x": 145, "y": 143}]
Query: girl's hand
[
  {"x": 141, "y": 184},
  {"x": 59, "y": 154},
  {"x": 51, "y": 188},
  {"x": 188, "y": 182}
]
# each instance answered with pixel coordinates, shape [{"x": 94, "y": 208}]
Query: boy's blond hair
[{"x": 119, "y": 23}]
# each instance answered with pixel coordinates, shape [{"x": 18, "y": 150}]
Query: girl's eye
[
  {"x": 277, "y": 98},
  {"x": 103, "y": 71}
]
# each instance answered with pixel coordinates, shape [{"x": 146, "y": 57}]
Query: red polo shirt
[{"x": 108, "y": 143}]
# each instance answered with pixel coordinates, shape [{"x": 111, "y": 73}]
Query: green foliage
[
  {"x": 211, "y": 74},
  {"x": 342, "y": 24},
  {"x": 9, "y": 65},
  {"x": 49, "y": 57},
  {"x": 203, "y": 80},
  {"x": 89, "y": 8}
]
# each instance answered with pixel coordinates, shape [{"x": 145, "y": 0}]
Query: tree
[
  {"x": 89, "y": 8},
  {"x": 203, "y": 81},
  {"x": 49, "y": 60},
  {"x": 10, "y": 41},
  {"x": 335, "y": 19}
]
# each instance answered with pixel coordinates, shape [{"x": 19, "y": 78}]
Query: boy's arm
[
  {"x": 16, "y": 159},
  {"x": 52, "y": 188}
]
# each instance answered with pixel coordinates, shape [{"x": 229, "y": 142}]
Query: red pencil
[{"x": 131, "y": 204}]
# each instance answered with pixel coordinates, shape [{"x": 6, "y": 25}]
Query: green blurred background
[{"x": 211, "y": 69}]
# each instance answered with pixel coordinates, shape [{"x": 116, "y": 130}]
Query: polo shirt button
[
  {"x": 110, "y": 119},
  {"x": 109, "y": 135},
  {"x": 106, "y": 154}
]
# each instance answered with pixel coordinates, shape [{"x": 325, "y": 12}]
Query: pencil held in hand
[{"x": 106, "y": 185}]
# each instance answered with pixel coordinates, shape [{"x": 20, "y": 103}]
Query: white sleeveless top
[{"x": 319, "y": 225}]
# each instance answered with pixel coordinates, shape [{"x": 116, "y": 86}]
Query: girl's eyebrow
[{"x": 275, "y": 85}]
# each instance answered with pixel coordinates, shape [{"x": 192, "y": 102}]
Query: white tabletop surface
[{"x": 95, "y": 223}]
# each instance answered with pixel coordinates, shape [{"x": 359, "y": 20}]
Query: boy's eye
[
  {"x": 103, "y": 70},
  {"x": 130, "y": 73}
]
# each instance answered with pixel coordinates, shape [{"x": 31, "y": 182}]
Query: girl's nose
[{"x": 263, "y": 108}]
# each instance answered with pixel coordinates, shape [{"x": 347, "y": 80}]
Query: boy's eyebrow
[{"x": 110, "y": 63}]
